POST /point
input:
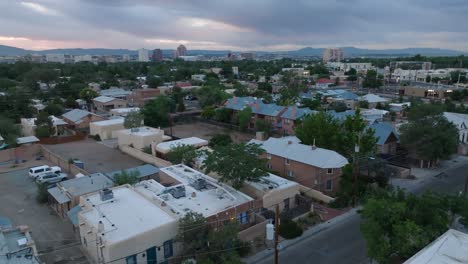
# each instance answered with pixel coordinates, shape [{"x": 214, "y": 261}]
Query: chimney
[
  {"x": 260, "y": 135},
  {"x": 313, "y": 145},
  {"x": 163, "y": 204},
  {"x": 289, "y": 142}
]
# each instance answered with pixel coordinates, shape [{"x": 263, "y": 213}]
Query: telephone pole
[{"x": 276, "y": 232}]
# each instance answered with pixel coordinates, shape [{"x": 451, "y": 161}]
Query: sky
[{"x": 260, "y": 25}]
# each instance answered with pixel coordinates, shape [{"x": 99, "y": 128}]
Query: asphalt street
[{"x": 343, "y": 243}]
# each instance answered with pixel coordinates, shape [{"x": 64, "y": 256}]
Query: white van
[{"x": 37, "y": 171}]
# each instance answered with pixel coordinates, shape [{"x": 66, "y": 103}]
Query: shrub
[
  {"x": 147, "y": 150},
  {"x": 289, "y": 229},
  {"x": 42, "y": 195}
]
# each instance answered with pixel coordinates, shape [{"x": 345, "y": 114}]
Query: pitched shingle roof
[
  {"x": 103, "y": 99},
  {"x": 383, "y": 131},
  {"x": 290, "y": 148},
  {"x": 294, "y": 113},
  {"x": 76, "y": 115}
]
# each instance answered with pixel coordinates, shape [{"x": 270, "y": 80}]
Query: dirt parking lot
[
  {"x": 206, "y": 131},
  {"x": 54, "y": 236},
  {"x": 96, "y": 157}
]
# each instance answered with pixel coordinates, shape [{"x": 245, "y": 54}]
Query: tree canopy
[
  {"x": 133, "y": 119},
  {"x": 156, "y": 112},
  {"x": 236, "y": 163},
  {"x": 397, "y": 225},
  {"x": 431, "y": 138},
  {"x": 44, "y": 125},
  {"x": 185, "y": 154}
]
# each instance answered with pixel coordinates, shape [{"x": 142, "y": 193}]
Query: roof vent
[
  {"x": 313, "y": 146},
  {"x": 289, "y": 142},
  {"x": 106, "y": 194},
  {"x": 194, "y": 194},
  {"x": 22, "y": 242}
]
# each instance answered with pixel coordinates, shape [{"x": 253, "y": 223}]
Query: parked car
[
  {"x": 40, "y": 170},
  {"x": 51, "y": 177}
]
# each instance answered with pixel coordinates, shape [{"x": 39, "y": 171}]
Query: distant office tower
[
  {"x": 157, "y": 55},
  {"x": 181, "y": 51},
  {"x": 143, "y": 55},
  {"x": 332, "y": 55}
]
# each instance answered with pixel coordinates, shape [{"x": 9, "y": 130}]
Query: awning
[
  {"x": 73, "y": 215},
  {"x": 58, "y": 195}
]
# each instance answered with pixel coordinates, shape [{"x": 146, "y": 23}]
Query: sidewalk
[
  {"x": 308, "y": 233},
  {"x": 427, "y": 175}
]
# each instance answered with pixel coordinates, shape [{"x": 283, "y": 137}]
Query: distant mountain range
[{"x": 348, "y": 51}]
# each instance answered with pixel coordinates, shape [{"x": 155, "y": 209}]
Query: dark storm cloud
[{"x": 246, "y": 24}]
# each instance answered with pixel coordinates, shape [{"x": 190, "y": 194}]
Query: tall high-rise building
[
  {"x": 143, "y": 55},
  {"x": 157, "y": 55},
  {"x": 332, "y": 54},
  {"x": 181, "y": 51}
]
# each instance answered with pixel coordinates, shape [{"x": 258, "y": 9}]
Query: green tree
[
  {"x": 185, "y": 154},
  {"x": 180, "y": 104},
  {"x": 126, "y": 177},
  {"x": 210, "y": 95},
  {"x": 320, "y": 128},
  {"x": 263, "y": 126},
  {"x": 243, "y": 118},
  {"x": 133, "y": 119},
  {"x": 88, "y": 94},
  {"x": 371, "y": 80},
  {"x": 419, "y": 111},
  {"x": 264, "y": 86},
  {"x": 54, "y": 109},
  {"x": 312, "y": 104},
  {"x": 193, "y": 234},
  {"x": 208, "y": 112},
  {"x": 430, "y": 138},
  {"x": 364, "y": 104},
  {"x": 356, "y": 132},
  {"x": 223, "y": 115},
  {"x": 236, "y": 163},
  {"x": 8, "y": 130},
  {"x": 156, "y": 112},
  {"x": 44, "y": 125},
  {"x": 339, "y": 106},
  {"x": 396, "y": 226},
  {"x": 220, "y": 140}
]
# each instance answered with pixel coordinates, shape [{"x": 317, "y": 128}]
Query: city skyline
[{"x": 234, "y": 25}]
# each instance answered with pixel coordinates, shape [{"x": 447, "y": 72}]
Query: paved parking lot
[
  {"x": 96, "y": 157},
  {"x": 54, "y": 236}
]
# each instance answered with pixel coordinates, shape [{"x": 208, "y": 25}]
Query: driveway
[
  {"x": 54, "y": 236},
  {"x": 96, "y": 157}
]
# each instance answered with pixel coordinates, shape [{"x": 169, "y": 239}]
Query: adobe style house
[
  {"x": 139, "y": 97},
  {"x": 313, "y": 167},
  {"x": 292, "y": 117},
  {"x": 79, "y": 119},
  {"x": 106, "y": 103},
  {"x": 387, "y": 138}
]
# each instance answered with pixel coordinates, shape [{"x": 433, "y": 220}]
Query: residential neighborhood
[{"x": 187, "y": 149}]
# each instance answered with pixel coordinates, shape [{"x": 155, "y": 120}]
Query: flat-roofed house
[
  {"x": 313, "y": 167},
  {"x": 120, "y": 225},
  {"x": 106, "y": 129},
  {"x": 163, "y": 148}
]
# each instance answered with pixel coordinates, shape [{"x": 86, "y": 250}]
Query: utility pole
[
  {"x": 355, "y": 172},
  {"x": 276, "y": 232}
]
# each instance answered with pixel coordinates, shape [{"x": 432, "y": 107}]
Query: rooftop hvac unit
[
  {"x": 106, "y": 194},
  {"x": 199, "y": 184},
  {"x": 178, "y": 192}
]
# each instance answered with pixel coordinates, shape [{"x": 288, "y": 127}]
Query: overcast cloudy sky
[{"x": 234, "y": 24}]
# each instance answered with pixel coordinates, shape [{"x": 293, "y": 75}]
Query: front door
[{"x": 151, "y": 255}]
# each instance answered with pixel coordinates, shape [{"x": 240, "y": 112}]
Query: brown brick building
[
  {"x": 310, "y": 166},
  {"x": 139, "y": 97}
]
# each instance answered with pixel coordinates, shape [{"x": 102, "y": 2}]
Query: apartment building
[
  {"x": 332, "y": 54},
  {"x": 313, "y": 167},
  {"x": 139, "y": 97},
  {"x": 291, "y": 117},
  {"x": 107, "y": 103}
]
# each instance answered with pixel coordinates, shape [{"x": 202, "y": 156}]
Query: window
[
  {"x": 269, "y": 166},
  {"x": 329, "y": 185},
  {"x": 168, "y": 249},
  {"x": 242, "y": 218},
  {"x": 286, "y": 161},
  {"x": 286, "y": 121},
  {"x": 290, "y": 173},
  {"x": 131, "y": 259},
  {"x": 329, "y": 171},
  {"x": 268, "y": 156}
]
